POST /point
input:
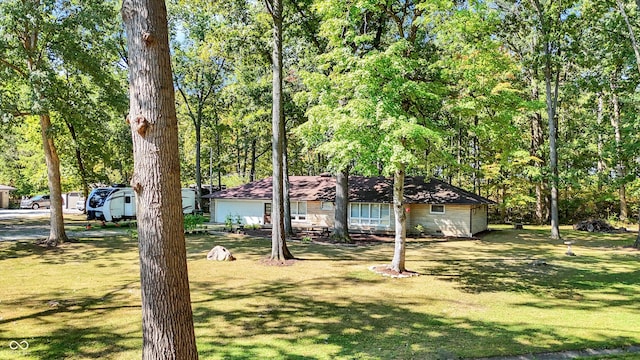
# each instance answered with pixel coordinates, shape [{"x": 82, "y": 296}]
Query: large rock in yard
[{"x": 220, "y": 253}]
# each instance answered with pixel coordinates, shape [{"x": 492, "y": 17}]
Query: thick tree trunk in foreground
[
  {"x": 279, "y": 250},
  {"x": 400, "y": 215},
  {"x": 57, "y": 233},
  {"x": 340, "y": 222},
  {"x": 167, "y": 321}
]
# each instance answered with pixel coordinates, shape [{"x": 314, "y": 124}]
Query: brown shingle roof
[{"x": 361, "y": 189}]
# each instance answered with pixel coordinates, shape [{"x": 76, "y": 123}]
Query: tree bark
[
  {"x": 288, "y": 228},
  {"x": 552, "y": 101},
  {"x": 400, "y": 215},
  {"x": 198, "y": 164},
  {"x": 599, "y": 117},
  {"x": 57, "y": 233},
  {"x": 219, "y": 154},
  {"x": 636, "y": 244},
  {"x": 79, "y": 161},
  {"x": 279, "y": 250},
  {"x": 620, "y": 168},
  {"x": 167, "y": 320},
  {"x": 551, "y": 75},
  {"x": 537, "y": 140},
  {"x": 252, "y": 170},
  {"x": 632, "y": 37},
  {"x": 341, "y": 209}
]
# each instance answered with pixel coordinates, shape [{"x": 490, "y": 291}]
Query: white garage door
[{"x": 248, "y": 211}]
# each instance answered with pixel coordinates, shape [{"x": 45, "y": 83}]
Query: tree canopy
[{"x": 529, "y": 103}]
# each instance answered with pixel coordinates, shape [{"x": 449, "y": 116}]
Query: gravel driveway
[{"x": 18, "y": 225}]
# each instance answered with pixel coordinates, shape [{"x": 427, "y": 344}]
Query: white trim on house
[
  {"x": 326, "y": 205},
  {"x": 376, "y": 214},
  {"x": 298, "y": 210}
]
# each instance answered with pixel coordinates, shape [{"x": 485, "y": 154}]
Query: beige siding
[
  {"x": 4, "y": 199},
  {"x": 457, "y": 220},
  {"x": 454, "y": 221},
  {"x": 479, "y": 219},
  {"x": 316, "y": 216}
]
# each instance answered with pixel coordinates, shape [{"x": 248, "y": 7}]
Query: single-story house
[
  {"x": 4, "y": 196},
  {"x": 433, "y": 205}
]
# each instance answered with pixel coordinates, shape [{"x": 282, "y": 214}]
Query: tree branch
[
  {"x": 631, "y": 33},
  {"x": 13, "y": 67}
]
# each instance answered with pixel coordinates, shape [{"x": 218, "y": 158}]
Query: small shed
[{"x": 4, "y": 196}]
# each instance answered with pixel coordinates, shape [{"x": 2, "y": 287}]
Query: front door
[{"x": 267, "y": 213}]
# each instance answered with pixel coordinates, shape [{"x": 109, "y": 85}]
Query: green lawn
[{"x": 475, "y": 298}]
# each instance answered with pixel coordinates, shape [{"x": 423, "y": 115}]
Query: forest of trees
[{"x": 525, "y": 102}]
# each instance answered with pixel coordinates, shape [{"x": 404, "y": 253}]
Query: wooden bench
[
  {"x": 314, "y": 229},
  {"x": 201, "y": 229}
]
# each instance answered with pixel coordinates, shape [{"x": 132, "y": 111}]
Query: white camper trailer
[{"x": 115, "y": 203}]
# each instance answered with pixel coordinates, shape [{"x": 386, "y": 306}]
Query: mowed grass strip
[{"x": 509, "y": 292}]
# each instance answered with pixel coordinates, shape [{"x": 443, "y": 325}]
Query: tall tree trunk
[
  {"x": 476, "y": 159},
  {"x": 459, "y": 156},
  {"x": 400, "y": 215},
  {"x": 537, "y": 140},
  {"x": 620, "y": 168},
  {"x": 78, "y": 154},
  {"x": 599, "y": 116},
  {"x": 219, "y": 154},
  {"x": 341, "y": 209},
  {"x": 551, "y": 95},
  {"x": 57, "y": 233},
  {"x": 252, "y": 171},
  {"x": 279, "y": 250},
  {"x": 288, "y": 228},
  {"x": 198, "y": 129},
  {"x": 552, "y": 101},
  {"x": 632, "y": 37},
  {"x": 167, "y": 320},
  {"x": 636, "y": 244}
]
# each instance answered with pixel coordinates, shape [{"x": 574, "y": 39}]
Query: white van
[{"x": 119, "y": 203}]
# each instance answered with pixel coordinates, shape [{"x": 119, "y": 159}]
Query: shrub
[{"x": 193, "y": 221}]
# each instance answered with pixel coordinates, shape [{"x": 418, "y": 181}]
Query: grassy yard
[{"x": 474, "y": 298}]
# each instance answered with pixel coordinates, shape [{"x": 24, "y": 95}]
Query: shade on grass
[{"x": 474, "y": 298}]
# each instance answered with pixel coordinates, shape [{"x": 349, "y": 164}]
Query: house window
[
  {"x": 437, "y": 209},
  {"x": 326, "y": 205},
  {"x": 298, "y": 210},
  {"x": 369, "y": 214}
]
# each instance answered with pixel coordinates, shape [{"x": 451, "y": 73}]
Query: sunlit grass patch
[{"x": 508, "y": 292}]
